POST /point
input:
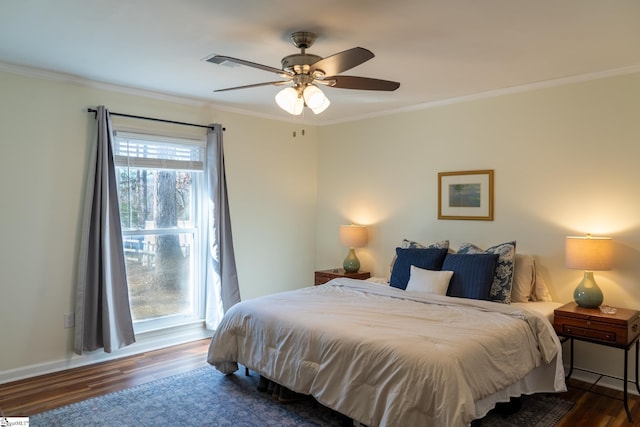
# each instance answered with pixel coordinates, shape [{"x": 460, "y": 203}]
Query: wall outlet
[{"x": 69, "y": 320}]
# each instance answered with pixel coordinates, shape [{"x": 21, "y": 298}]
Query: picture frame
[{"x": 466, "y": 195}]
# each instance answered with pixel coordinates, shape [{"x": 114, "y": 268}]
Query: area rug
[
  {"x": 539, "y": 410},
  {"x": 205, "y": 397}
]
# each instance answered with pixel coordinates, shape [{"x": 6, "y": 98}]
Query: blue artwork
[{"x": 464, "y": 195}]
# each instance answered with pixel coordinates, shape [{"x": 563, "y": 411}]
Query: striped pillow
[{"x": 472, "y": 275}]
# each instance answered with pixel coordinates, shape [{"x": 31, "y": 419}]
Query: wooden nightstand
[
  {"x": 620, "y": 330},
  {"x": 323, "y": 276}
]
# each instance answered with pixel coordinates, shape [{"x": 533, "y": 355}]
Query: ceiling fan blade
[
  {"x": 361, "y": 83},
  {"x": 219, "y": 59},
  {"x": 343, "y": 61},
  {"x": 278, "y": 83}
]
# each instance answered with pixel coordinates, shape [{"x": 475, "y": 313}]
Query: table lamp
[
  {"x": 352, "y": 236},
  {"x": 589, "y": 254}
]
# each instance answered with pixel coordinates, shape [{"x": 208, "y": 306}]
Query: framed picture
[{"x": 466, "y": 195}]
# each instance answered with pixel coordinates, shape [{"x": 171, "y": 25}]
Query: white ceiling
[{"x": 436, "y": 49}]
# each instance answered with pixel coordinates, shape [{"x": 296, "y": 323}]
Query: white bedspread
[{"x": 381, "y": 355}]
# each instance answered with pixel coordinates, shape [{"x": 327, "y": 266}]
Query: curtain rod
[{"x": 93, "y": 110}]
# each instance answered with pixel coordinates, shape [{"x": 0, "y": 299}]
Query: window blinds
[{"x": 158, "y": 152}]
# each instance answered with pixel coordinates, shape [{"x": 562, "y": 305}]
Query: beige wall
[
  {"x": 44, "y": 134},
  {"x": 565, "y": 162}
]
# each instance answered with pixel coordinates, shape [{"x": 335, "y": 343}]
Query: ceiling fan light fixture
[
  {"x": 313, "y": 96},
  {"x": 322, "y": 107},
  {"x": 306, "y": 72},
  {"x": 289, "y": 100}
]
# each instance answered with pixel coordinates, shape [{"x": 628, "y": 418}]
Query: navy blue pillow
[
  {"x": 426, "y": 258},
  {"x": 472, "y": 275}
]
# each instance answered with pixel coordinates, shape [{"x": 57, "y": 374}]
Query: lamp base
[
  {"x": 588, "y": 294},
  {"x": 351, "y": 263}
]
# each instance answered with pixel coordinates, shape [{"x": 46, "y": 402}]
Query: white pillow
[
  {"x": 524, "y": 278},
  {"x": 541, "y": 292},
  {"x": 528, "y": 284},
  {"x": 428, "y": 281}
]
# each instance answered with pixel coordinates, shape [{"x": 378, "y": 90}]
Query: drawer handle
[
  {"x": 588, "y": 323},
  {"x": 634, "y": 328}
]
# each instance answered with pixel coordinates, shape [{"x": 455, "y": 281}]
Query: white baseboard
[
  {"x": 147, "y": 341},
  {"x": 590, "y": 377}
]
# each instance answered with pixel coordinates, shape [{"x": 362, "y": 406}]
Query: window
[{"x": 160, "y": 183}]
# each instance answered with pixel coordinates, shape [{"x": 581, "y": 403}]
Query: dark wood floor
[
  {"x": 39, "y": 394},
  {"x": 30, "y": 396},
  {"x": 600, "y": 407}
]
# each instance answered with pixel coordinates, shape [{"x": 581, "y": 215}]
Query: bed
[{"x": 385, "y": 356}]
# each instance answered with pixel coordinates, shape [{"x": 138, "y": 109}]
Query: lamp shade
[
  {"x": 353, "y": 236},
  {"x": 322, "y": 107},
  {"x": 313, "y": 96},
  {"x": 290, "y": 101},
  {"x": 589, "y": 253}
]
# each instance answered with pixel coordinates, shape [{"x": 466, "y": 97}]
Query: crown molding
[
  {"x": 70, "y": 78},
  {"x": 498, "y": 92}
]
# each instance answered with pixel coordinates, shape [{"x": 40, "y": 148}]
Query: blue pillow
[
  {"x": 410, "y": 244},
  {"x": 503, "y": 276},
  {"x": 472, "y": 275},
  {"x": 426, "y": 258}
]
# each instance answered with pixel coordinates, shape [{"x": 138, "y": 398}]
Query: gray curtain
[
  {"x": 222, "y": 289},
  {"x": 103, "y": 315}
]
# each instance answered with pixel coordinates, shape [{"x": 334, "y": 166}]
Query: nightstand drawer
[
  {"x": 323, "y": 276},
  {"x": 588, "y": 333},
  {"x": 593, "y": 330}
]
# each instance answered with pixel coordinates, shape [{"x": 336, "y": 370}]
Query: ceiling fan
[{"x": 304, "y": 72}]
